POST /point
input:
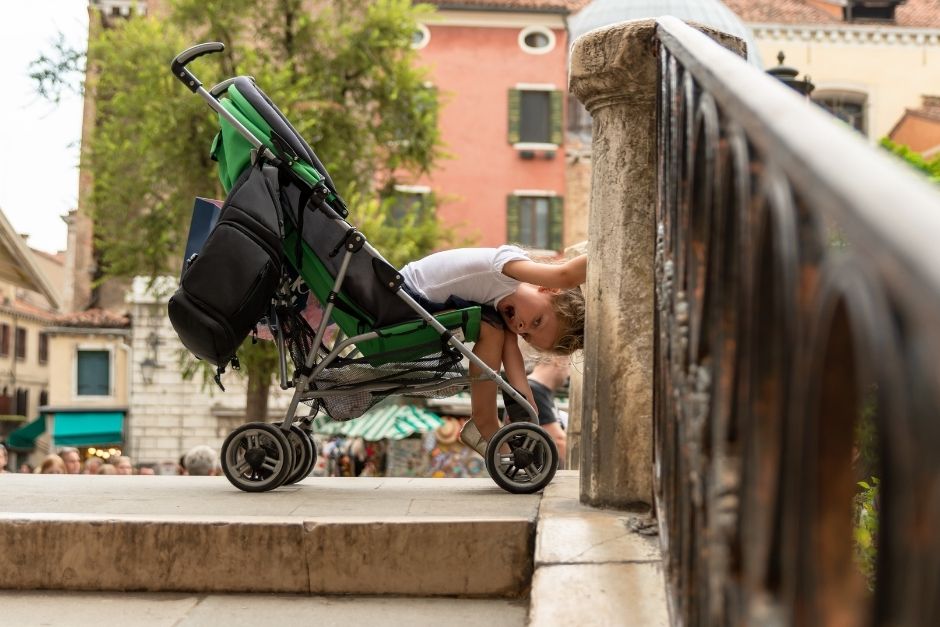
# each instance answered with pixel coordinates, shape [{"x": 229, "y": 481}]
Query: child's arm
[
  {"x": 572, "y": 273},
  {"x": 514, "y": 365}
]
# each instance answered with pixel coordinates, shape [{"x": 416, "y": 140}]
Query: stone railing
[{"x": 763, "y": 333}]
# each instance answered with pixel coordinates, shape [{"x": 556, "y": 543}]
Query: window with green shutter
[
  {"x": 535, "y": 116},
  {"x": 535, "y": 221},
  {"x": 94, "y": 373}
]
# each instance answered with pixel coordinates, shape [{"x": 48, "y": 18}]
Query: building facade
[
  {"x": 870, "y": 60},
  {"x": 30, "y": 292},
  {"x": 500, "y": 69}
]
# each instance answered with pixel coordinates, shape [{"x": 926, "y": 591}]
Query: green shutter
[
  {"x": 512, "y": 218},
  {"x": 515, "y": 98},
  {"x": 556, "y": 105},
  {"x": 94, "y": 373},
  {"x": 557, "y": 223}
]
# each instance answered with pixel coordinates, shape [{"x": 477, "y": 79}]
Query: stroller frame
[{"x": 521, "y": 457}]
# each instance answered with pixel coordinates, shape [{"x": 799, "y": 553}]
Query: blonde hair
[
  {"x": 568, "y": 306},
  {"x": 51, "y": 464}
]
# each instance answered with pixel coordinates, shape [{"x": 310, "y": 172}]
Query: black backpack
[{"x": 227, "y": 287}]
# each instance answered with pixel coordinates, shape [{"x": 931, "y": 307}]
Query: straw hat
[{"x": 447, "y": 433}]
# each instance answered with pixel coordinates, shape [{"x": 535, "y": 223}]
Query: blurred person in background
[
  {"x": 92, "y": 464},
  {"x": 123, "y": 465},
  {"x": 201, "y": 461},
  {"x": 51, "y": 465},
  {"x": 106, "y": 469},
  {"x": 72, "y": 459},
  {"x": 4, "y": 460},
  {"x": 25, "y": 469}
]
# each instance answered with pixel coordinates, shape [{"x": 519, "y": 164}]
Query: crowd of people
[{"x": 200, "y": 460}]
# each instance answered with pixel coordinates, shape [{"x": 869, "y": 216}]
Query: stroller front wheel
[
  {"x": 522, "y": 458},
  {"x": 256, "y": 457},
  {"x": 305, "y": 454}
]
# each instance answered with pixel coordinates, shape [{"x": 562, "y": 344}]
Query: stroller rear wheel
[
  {"x": 529, "y": 459},
  {"x": 305, "y": 454},
  {"x": 257, "y": 457}
]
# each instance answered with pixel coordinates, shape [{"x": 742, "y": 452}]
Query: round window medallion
[
  {"x": 536, "y": 39},
  {"x": 421, "y": 37}
]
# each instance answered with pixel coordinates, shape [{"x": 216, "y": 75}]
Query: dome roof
[{"x": 709, "y": 12}]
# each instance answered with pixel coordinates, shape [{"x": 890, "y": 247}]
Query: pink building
[{"x": 500, "y": 67}]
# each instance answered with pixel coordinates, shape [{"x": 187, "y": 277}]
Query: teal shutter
[
  {"x": 515, "y": 107},
  {"x": 94, "y": 373},
  {"x": 556, "y": 223},
  {"x": 512, "y": 218},
  {"x": 556, "y": 122}
]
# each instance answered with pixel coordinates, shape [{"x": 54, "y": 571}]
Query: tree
[{"x": 343, "y": 73}]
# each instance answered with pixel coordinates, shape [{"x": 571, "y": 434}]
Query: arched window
[{"x": 849, "y": 106}]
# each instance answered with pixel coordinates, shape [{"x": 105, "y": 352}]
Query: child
[{"x": 540, "y": 302}]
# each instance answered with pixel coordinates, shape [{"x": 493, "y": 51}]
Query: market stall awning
[
  {"x": 388, "y": 422},
  {"x": 88, "y": 428},
  {"x": 25, "y": 436}
]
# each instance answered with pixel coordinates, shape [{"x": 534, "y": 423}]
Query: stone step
[
  {"x": 362, "y": 536},
  {"x": 83, "y": 609}
]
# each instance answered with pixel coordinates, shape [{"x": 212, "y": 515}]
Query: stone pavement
[
  {"x": 85, "y": 609},
  {"x": 186, "y": 550}
]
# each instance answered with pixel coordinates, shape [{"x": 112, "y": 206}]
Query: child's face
[{"x": 528, "y": 312}]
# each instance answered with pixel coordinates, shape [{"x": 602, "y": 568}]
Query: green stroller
[{"x": 282, "y": 237}]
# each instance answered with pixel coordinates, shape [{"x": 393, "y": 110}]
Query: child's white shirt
[{"x": 473, "y": 274}]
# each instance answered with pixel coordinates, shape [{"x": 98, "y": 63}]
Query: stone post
[{"x": 614, "y": 73}]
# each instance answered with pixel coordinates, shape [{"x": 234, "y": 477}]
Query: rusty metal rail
[{"x": 797, "y": 296}]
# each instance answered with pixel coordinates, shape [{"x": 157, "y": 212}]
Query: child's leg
[
  {"x": 514, "y": 365},
  {"x": 489, "y": 348}
]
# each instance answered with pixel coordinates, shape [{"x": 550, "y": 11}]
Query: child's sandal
[{"x": 470, "y": 436}]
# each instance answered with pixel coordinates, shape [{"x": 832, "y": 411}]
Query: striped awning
[{"x": 387, "y": 422}]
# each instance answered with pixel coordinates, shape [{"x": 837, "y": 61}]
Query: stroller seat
[{"x": 365, "y": 304}]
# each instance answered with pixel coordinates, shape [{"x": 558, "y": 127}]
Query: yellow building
[
  {"x": 89, "y": 357},
  {"x": 29, "y": 295},
  {"x": 870, "y": 60}
]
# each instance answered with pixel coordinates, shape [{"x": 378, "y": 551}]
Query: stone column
[{"x": 614, "y": 73}]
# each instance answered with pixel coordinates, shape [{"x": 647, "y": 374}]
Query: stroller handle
[{"x": 182, "y": 60}]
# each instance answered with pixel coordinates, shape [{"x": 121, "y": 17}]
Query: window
[
  {"x": 22, "y": 402},
  {"x": 535, "y": 116},
  {"x": 410, "y": 200},
  {"x": 850, "y": 107},
  {"x": 580, "y": 122},
  {"x": 536, "y": 40},
  {"x": 20, "y": 344},
  {"x": 43, "y": 348},
  {"x": 4, "y": 339},
  {"x": 535, "y": 220},
  {"x": 421, "y": 37},
  {"x": 870, "y": 10},
  {"x": 94, "y": 373}
]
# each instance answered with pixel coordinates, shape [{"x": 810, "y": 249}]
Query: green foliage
[
  {"x": 343, "y": 73},
  {"x": 930, "y": 167},
  {"x": 59, "y": 72},
  {"x": 866, "y": 528}
]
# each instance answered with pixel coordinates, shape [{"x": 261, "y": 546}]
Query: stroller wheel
[
  {"x": 256, "y": 457},
  {"x": 531, "y": 460},
  {"x": 305, "y": 455}
]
